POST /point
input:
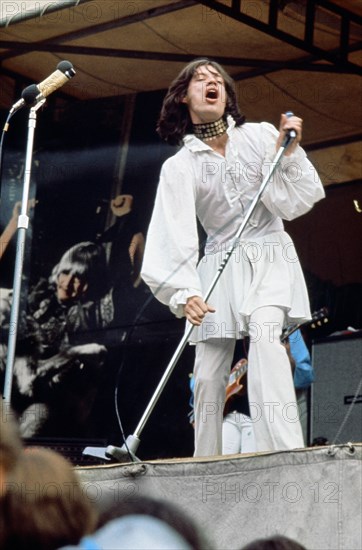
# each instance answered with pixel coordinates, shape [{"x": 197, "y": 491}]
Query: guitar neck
[
  {"x": 289, "y": 331},
  {"x": 317, "y": 317}
]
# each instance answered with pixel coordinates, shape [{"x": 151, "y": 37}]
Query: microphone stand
[
  {"x": 23, "y": 223},
  {"x": 128, "y": 450}
]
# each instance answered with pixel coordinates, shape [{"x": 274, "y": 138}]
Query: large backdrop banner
[{"x": 92, "y": 342}]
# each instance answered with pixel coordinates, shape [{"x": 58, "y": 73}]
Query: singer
[{"x": 213, "y": 178}]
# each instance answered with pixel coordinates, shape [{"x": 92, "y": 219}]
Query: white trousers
[
  {"x": 237, "y": 434},
  {"x": 271, "y": 394}
]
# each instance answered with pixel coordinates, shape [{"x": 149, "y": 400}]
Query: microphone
[
  {"x": 63, "y": 73},
  {"x": 291, "y": 133},
  {"x": 28, "y": 97},
  {"x": 36, "y": 92}
]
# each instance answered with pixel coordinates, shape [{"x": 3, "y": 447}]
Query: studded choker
[{"x": 210, "y": 130}]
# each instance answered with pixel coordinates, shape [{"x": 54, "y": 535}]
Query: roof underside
[{"x": 303, "y": 56}]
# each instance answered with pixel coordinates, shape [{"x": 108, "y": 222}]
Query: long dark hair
[{"x": 174, "y": 121}]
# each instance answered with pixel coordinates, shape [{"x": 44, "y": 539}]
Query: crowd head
[{"x": 43, "y": 506}]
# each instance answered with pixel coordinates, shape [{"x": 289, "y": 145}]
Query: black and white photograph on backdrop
[
  {"x": 180, "y": 267},
  {"x": 85, "y": 311}
]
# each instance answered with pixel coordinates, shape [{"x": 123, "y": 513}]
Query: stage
[{"x": 312, "y": 495}]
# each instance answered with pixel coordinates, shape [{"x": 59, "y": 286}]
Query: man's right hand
[{"x": 195, "y": 310}]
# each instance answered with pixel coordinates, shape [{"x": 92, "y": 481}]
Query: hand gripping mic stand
[
  {"x": 23, "y": 223},
  {"x": 128, "y": 450}
]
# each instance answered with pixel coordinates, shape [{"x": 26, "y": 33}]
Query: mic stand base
[{"x": 126, "y": 453}]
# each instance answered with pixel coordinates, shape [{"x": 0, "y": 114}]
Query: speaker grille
[{"x": 336, "y": 395}]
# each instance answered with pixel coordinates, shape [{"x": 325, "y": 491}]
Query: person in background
[
  {"x": 12, "y": 226},
  {"x": 303, "y": 375},
  {"x": 145, "y": 522},
  {"x": 277, "y": 542},
  {"x": 124, "y": 244},
  {"x": 133, "y": 532},
  {"x": 44, "y": 506},
  {"x": 59, "y": 352},
  {"x": 238, "y": 428}
]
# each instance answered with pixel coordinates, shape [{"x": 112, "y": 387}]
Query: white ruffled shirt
[{"x": 198, "y": 182}]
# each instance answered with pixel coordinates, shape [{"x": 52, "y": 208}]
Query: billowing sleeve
[
  {"x": 171, "y": 252},
  {"x": 295, "y": 185}
]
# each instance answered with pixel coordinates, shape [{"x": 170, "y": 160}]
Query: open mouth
[{"x": 212, "y": 94}]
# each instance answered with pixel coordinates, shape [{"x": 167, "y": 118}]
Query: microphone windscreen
[
  {"x": 30, "y": 93},
  {"x": 64, "y": 66}
]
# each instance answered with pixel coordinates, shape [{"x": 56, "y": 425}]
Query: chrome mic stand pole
[
  {"x": 23, "y": 223},
  {"x": 132, "y": 441}
]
